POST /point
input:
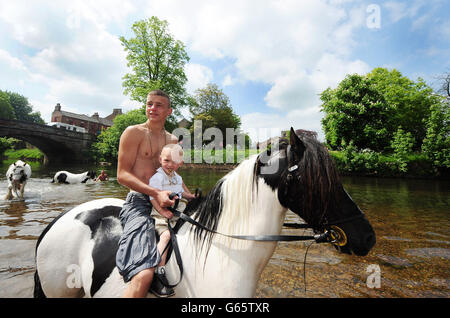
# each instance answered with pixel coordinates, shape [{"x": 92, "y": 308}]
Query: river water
[{"x": 410, "y": 217}]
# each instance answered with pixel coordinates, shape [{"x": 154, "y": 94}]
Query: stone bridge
[{"x": 58, "y": 144}]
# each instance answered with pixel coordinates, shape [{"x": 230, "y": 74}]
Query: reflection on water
[{"x": 410, "y": 217}]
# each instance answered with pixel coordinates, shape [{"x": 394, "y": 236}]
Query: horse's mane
[
  {"x": 320, "y": 185},
  {"x": 229, "y": 201}
]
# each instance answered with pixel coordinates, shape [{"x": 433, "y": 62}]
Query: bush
[{"x": 402, "y": 144}]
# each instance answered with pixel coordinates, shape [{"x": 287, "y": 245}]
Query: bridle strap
[
  {"x": 325, "y": 237},
  {"x": 263, "y": 238}
]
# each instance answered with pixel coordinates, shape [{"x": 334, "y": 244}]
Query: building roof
[{"x": 98, "y": 120}]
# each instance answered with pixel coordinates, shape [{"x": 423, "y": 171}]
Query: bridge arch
[{"x": 58, "y": 144}]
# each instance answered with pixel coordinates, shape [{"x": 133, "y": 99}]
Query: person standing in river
[{"x": 138, "y": 159}]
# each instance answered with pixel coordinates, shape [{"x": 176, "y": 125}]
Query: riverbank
[
  {"x": 28, "y": 155},
  {"x": 358, "y": 165},
  {"x": 371, "y": 164}
]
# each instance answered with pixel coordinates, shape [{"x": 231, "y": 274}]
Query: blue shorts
[{"x": 137, "y": 245}]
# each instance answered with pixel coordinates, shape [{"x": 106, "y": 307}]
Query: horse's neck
[
  {"x": 249, "y": 206},
  {"x": 234, "y": 265}
]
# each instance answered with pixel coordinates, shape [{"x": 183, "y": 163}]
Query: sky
[{"x": 272, "y": 58}]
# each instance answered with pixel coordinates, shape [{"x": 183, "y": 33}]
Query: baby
[{"x": 167, "y": 178}]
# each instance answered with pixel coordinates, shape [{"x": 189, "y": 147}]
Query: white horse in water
[
  {"x": 75, "y": 255},
  {"x": 17, "y": 175},
  {"x": 67, "y": 177}
]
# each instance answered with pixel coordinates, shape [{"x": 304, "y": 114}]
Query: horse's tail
[{"x": 38, "y": 292}]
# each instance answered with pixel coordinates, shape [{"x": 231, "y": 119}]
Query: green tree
[
  {"x": 355, "y": 112},
  {"x": 107, "y": 146},
  {"x": 369, "y": 109},
  {"x": 157, "y": 61},
  {"x": 402, "y": 144},
  {"x": 6, "y": 110},
  {"x": 208, "y": 99},
  {"x": 436, "y": 145},
  {"x": 410, "y": 101},
  {"x": 213, "y": 108},
  {"x": 23, "y": 109}
]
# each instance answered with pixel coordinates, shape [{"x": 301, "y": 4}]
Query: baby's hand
[{"x": 190, "y": 196}]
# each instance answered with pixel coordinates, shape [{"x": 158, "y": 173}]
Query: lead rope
[{"x": 304, "y": 265}]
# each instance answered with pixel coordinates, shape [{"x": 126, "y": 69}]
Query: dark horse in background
[{"x": 75, "y": 255}]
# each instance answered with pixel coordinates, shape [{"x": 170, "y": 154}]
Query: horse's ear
[{"x": 296, "y": 143}]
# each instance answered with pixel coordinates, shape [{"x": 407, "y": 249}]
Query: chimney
[
  {"x": 58, "y": 107},
  {"x": 95, "y": 116}
]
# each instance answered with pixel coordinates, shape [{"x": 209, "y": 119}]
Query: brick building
[{"x": 93, "y": 124}]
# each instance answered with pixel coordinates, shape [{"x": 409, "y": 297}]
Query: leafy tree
[
  {"x": 369, "y": 109},
  {"x": 6, "y": 110},
  {"x": 355, "y": 112},
  {"x": 410, "y": 101},
  {"x": 22, "y": 108},
  {"x": 208, "y": 99},
  {"x": 436, "y": 145},
  {"x": 213, "y": 108},
  {"x": 402, "y": 143},
  {"x": 107, "y": 146},
  {"x": 157, "y": 61}
]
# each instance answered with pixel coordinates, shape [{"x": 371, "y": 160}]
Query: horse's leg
[
  {"x": 9, "y": 195},
  {"x": 22, "y": 189}
]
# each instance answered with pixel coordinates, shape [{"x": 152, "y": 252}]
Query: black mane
[
  {"x": 314, "y": 192},
  {"x": 209, "y": 209},
  {"x": 313, "y": 195}
]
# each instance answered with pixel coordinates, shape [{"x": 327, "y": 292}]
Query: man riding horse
[{"x": 138, "y": 158}]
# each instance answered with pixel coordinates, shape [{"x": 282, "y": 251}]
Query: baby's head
[{"x": 171, "y": 157}]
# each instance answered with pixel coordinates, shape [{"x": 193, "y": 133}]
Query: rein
[{"x": 333, "y": 234}]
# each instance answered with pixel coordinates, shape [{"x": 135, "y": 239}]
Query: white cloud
[
  {"x": 279, "y": 43},
  {"x": 72, "y": 57},
  {"x": 400, "y": 10},
  {"x": 228, "y": 81},
  {"x": 198, "y": 76},
  {"x": 298, "y": 48},
  {"x": 261, "y": 126}
]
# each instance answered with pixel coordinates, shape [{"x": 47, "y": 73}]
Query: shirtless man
[{"x": 139, "y": 150}]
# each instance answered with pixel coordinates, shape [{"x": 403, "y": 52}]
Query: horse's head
[
  {"x": 18, "y": 173},
  {"x": 91, "y": 174},
  {"x": 307, "y": 183}
]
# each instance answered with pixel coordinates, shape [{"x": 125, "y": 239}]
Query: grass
[{"x": 24, "y": 154}]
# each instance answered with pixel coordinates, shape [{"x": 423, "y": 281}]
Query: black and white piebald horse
[
  {"x": 17, "y": 175},
  {"x": 75, "y": 255},
  {"x": 67, "y": 177}
]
